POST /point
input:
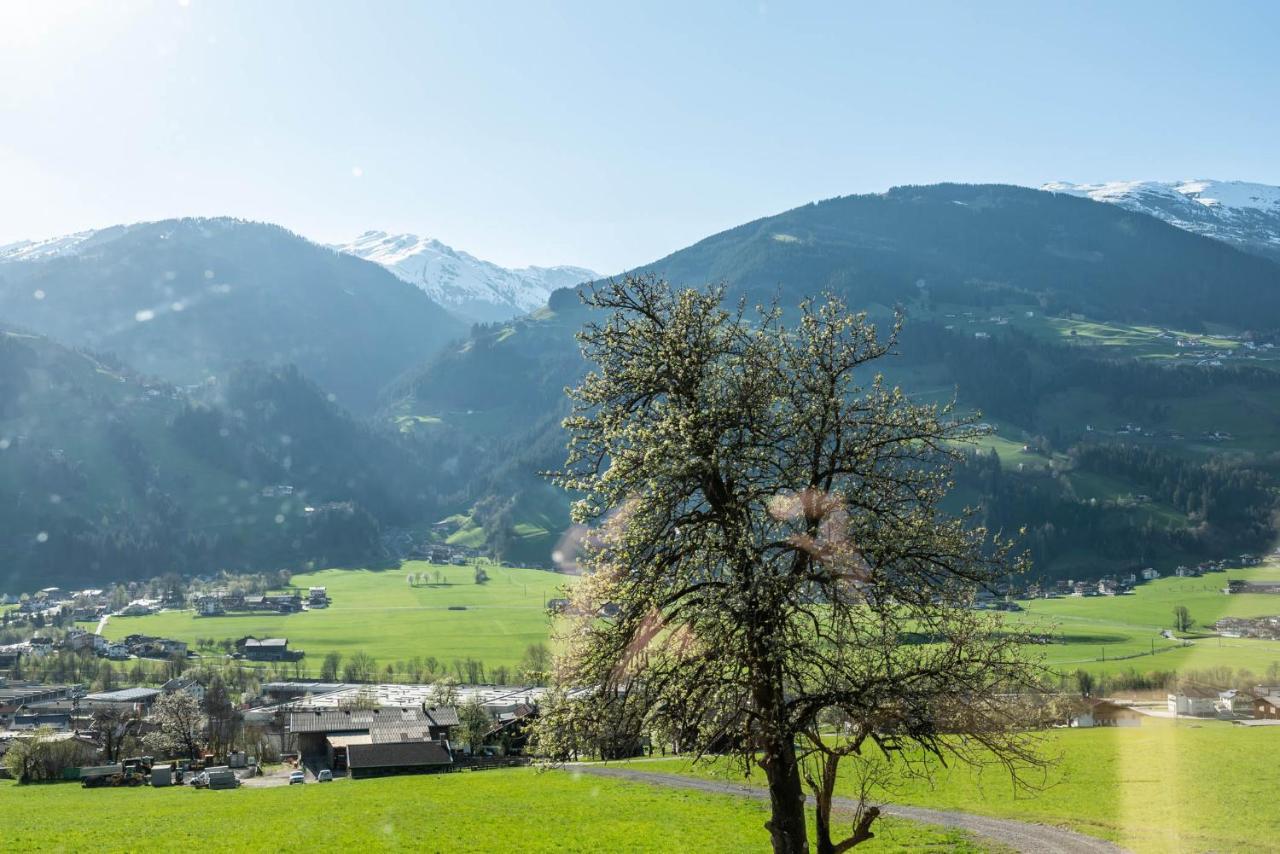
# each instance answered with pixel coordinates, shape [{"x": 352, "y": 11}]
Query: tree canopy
[{"x": 763, "y": 553}]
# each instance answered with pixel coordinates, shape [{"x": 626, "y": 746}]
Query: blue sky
[{"x": 604, "y": 134}]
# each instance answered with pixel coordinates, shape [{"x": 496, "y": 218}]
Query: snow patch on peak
[
  {"x": 41, "y": 250},
  {"x": 477, "y": 289},
  {"x": 1244, "y": 214}
]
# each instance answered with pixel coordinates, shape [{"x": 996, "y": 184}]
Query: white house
[{"x": 1194, "y": 702}]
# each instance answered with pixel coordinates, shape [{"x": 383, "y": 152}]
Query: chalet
[
  {"x": 210, "y": 606},
  {"x": 1194, "y": 701},
  {"x": 284, "y": 603},
  {"x": 140, "y": 608},
  {"x": 318, "y": 597},
  {"x": 267, "y": 649},
  {"x": 185, "y": 686},
  {"x": 78, "y": 640},
  {"x": 510, "y": 732},
  {"x": 1266, "y": 708},
  {"x": 1149, "y": 574}
]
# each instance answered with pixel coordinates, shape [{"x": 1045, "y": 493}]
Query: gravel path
[{"x": 1018, "y": 835}]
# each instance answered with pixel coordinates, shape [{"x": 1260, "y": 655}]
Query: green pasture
[
  {"x": 1105, "y": 633},
  {"x": 1165, "y": 786},
  {"x": 378, "y": 612},
  {"x": 504, "y": 810}
]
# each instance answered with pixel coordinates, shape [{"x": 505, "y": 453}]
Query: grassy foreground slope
[
  {"x": 378, "y": 612},
  {"x": 1163, "y": 787},
  {"x": 512, "y": 810}
]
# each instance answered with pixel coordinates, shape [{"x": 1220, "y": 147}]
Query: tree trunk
[{"x": 786, "y": 798}]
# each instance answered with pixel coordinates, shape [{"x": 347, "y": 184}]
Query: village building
[
  {"x": 138, "y": 700},
  {"x": 1097, "y": 713},
  {"x": 267, "y": 649},
  {"x": 1194, "y": 701},
  {"x": 1266, "y": 708}
]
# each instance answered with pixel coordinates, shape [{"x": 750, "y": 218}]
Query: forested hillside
[
  {"x": 105, "y": 475},
  {"x": 1009, "y": 296}
]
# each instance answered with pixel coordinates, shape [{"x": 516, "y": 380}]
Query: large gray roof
[
  {"x": 124, "y": 695},
  {"x": 397, "y": 754},
  {"x": 347, "y": 720}
]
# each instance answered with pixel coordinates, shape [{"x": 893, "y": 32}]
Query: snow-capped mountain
[
  {"x": 1236, "y": 212},
  {"x": 475, "y": 289},
  {"x": 58, "y": 247}
]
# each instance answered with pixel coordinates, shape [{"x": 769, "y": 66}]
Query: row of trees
[{"x": 533, "y": 669}]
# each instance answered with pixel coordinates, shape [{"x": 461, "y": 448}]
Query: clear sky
[{"x": 605, "y": 134}]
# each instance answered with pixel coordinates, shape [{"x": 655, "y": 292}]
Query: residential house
[
  {"x": 1194, "y": 701},
  {"x": 186, "y": 686},
  {"x": 210, "y": 606},
  {"x": 1149, "y": 574}
]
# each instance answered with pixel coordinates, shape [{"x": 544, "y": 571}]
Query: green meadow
[
  {"x": 1163, "y": 787},
  {"x": 1107, "y": 634},
  {"x": 506, "y": 810},
  {"x": 378, "y": 612}
]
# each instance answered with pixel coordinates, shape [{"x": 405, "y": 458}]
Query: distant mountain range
[
  {"x": 162, "y": 383},
  {"x": 957, "y": 258},
  {"x": 1237, "y": 212},
  {"x": 472, "y": 288},
  {"x": 185, "y": 300}
]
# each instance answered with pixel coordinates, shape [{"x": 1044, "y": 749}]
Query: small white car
[
  {"x": 297, "y": 777},
  {"x": 325, "y": 776}
]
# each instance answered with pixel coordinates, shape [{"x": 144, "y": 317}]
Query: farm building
[
  {"x": 343, "y": 739},
  {"x": 267, "y": 649},
  {"x": 412, "y": 757},
  {"x": 139, "y": 699}
]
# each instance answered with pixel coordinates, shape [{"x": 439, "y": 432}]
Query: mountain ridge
[
  {"x": 472, "y": 287},
  {"x": 190, "y": 298}
]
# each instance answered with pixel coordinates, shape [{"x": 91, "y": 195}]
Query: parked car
[
  {"x": 325, "y": 776},
  {"x": 297, "y": 777}
]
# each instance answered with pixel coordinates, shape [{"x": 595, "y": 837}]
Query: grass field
[
  {"x": 1103, "y": 632},
  {"x": 509, "y": 810},
  {"x": 378, "y": 612},
  {"x": 1163, "y": 787}
]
